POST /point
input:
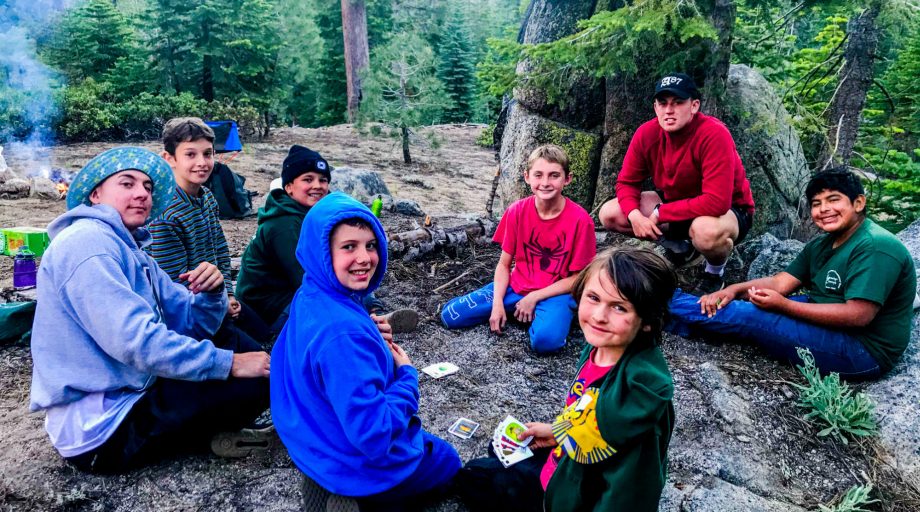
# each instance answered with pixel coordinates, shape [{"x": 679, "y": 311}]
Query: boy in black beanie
[{"x": 270, "y": 273}]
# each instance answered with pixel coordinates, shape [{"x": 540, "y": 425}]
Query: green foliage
[
  {"x": 401, "y": 89},
  {"x": 855, "y": 499},
  {"x": 455, "y": 68},
  {"x": 90, "y": 40},
  {"x": 831, "y": 404},
  {"x": 613, "y": 42},
  {"x": 87, "y": 113},
  {"x": 485, "y": 138}
]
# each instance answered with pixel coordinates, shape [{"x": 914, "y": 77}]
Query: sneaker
[
  {"x": 318, "y": 499},
  {"x": 242, "y": 443},
  {"x": 402, "y": 320},
  {"x": 709, "y": 283},
  {"x": 683, "y": 259}
]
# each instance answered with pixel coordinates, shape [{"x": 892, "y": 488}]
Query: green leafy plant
[
  {"x": 832, "y": 405},
  {"x": 854, "y": 500},
  {"x": 485, "y": 136}
]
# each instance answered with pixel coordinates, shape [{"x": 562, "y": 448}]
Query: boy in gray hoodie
[{"x": 117, "y": 364}]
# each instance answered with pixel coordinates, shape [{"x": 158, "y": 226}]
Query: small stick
[
  {"x": 498, "y": 173},
  {"x": 452, "y": 281}
]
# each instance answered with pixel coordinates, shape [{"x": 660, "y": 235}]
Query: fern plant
[
  {"x": 853, "y": 501},
  {"x": 832, "y": 405}
]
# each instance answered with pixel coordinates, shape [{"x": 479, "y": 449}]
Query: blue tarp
[{"x": 226, "y": 136}]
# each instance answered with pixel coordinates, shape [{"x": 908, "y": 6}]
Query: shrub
[
  {"x": 486, "y": 136},
  {"x": 853, "y": 501},
  {"x": 831, "y": 404},
  {"x": 87, "y": 112}
]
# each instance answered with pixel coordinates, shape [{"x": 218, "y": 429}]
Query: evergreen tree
[
  {"x": 298, "y": 63},
  {"x": 455, "y": 68},
  {"x": 402, "y": 89},
  {"x": 90, "y": 40},
  {"x": 331, "y": 100}
]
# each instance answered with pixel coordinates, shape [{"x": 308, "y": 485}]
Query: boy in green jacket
[
  {"x": 607, "y": 451},
  {"x": 269, "y": 272}
]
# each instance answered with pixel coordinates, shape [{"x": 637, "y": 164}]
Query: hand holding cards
[{"x": 507, "y": 444}]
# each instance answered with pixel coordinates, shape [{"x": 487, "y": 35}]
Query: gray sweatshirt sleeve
[{"x": 124, "y": 325}]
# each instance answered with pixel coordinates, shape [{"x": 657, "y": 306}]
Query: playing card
[
  {"x": 511, "y": 427},
  {"x": 439, "y": 370},
  {"x": 510, "y": 456},
  {"x": 463, "y": 428}
]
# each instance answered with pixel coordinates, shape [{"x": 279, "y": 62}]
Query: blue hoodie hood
[{"x": 313, "y": 245}]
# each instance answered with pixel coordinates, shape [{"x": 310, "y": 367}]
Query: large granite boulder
[
  {"x": 897, "y": 396},
  {"x": 361, "y": 184},
  {"x": 770, "y": 150},
  {"x": 523, "y": 133},
  {"x": 769, "y": 255}
]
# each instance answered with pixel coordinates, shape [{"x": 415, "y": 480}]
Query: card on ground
[
  {"x": 439, "y": 370},
  {"x": 463, "y": 428},
  {"x": 510, "y": 456}
]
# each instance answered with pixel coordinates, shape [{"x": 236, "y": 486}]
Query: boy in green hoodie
[
  {"x": 270, "y": 273},
  {"x": 608, "y": 449}
]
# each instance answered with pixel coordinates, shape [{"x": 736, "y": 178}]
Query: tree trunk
[
  {"x": 354, "y": 33},
  {"x": 843, "y": 113},
  {"x": 207, "y": 63},
  {"x": 722, "y": 18},
  {"x": 405, "y": 144}
]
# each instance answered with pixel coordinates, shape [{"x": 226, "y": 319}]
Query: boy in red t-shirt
[{"x": 550, "y": 239}]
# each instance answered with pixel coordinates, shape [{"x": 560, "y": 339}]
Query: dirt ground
[{"x": 499, "y": 375}]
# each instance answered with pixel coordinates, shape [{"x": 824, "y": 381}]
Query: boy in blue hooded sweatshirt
[
  {"x": 344, "y": 400},
  {"x": 117, "y": 365}
]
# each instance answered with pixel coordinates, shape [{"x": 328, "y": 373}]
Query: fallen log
[{"x": 411, "y": 245}]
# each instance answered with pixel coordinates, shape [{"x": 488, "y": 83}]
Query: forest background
[{"x": 73, "y": 71}]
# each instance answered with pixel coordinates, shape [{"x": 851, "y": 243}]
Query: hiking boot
[
  {"x": 402, "y": 320},
  {"x": 318, "y": 499},
  {"x": 683, "y": 259},
  {"x": 242, "y": 443},
  {"x": 709, "y": 283}
]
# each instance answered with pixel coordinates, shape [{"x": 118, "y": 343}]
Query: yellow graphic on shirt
[{"x": 577, "y": 432}]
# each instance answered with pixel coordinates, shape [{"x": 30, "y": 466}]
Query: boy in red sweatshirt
[{"x": 702, "y": 205}]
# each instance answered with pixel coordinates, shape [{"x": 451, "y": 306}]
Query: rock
[
  {"x": 43, "y": 188},
  {"x": 770, "y": 151},
  {"x": 726, "y": 404},
  {"x": 897, "y": 395},
  {"x": 717, "y": 494},
  {"x": 3, "y": 166},
  {"x": 406, "y": 207},
  {"x": 419, "y": 181},
  {"x": 546, "y": 21},
  {"x": 769, "y": 255},
  {"x": 15, "y": 188},
  {"x": 523, "y": 133},
  {"x": 361, "y": 184}
]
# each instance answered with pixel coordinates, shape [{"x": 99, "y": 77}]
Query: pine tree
[
  {"x": 90, "y": 40},
  {"x": 402, "y": 89},
  {"x": 456, "y": 69}
]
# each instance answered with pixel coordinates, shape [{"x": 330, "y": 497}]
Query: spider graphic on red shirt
[{"x": 550, "y": 259}]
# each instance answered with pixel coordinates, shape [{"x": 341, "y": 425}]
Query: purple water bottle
[{"x": 24, "y": 269}]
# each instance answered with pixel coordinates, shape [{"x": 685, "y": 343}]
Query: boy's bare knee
[
  {"x": 707, "y": 234},
  {"x": 612, "y": 218}
]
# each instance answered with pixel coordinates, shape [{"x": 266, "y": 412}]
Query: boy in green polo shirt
[{"x": 860, "y": 283}]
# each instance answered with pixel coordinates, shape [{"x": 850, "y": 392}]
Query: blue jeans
[
  {"x": 780, "y": 335},
  {"x": 551, "y": 320}
]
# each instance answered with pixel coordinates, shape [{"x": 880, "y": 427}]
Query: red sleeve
[
  {"x": 634, "y": 171},
  {"x": 717, "y": 150},
  {"x": 505, "y": 233},
  {"x": 585, "y": 247}
]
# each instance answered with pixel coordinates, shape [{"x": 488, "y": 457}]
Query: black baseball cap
[{"x": 678, "y": 84}]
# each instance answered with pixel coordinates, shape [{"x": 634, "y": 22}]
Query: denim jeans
[
  {"x": 780, "y": 335},
  {"x": 551, "y": 321}
]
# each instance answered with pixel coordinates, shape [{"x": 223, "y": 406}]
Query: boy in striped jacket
[{"x": 188, "y": 234}]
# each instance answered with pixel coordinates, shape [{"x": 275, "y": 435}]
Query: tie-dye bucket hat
[{"x": 120, "y": 159}]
